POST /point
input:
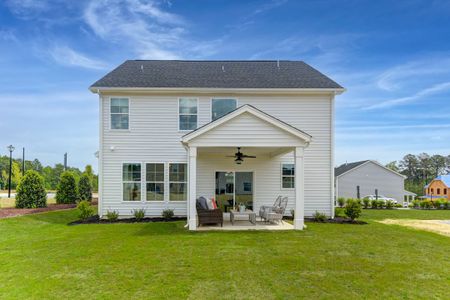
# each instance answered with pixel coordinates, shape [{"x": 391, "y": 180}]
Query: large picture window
[
  {"x": 154, "y": 178},
  {"x": 220, "y": 107},
  {"x": 119, "y": 113},
  {"x": 187, "y": 113},
  {"x": 131, "y": 182},
  {"x": 178, "y": 182},
  {"x": 288, "y": 176}
]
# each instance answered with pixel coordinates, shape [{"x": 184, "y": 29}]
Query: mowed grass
[{"x": 41, "y": 257}]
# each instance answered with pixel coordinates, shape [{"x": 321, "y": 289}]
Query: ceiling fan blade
[
  {"x": 249, "y": 156},
  {"x": 230, "y": 156}
]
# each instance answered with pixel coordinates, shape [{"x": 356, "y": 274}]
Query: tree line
[
  {"x": 51, "y": 175},
  {"x": 420, "y": 169}
]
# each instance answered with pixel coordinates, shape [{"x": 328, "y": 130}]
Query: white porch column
[
  {"x": 299, "y": 189},
  {"x": 192, "y": 188}
]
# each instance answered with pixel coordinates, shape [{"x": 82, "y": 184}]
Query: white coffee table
[{"x": 248, "y": 213}]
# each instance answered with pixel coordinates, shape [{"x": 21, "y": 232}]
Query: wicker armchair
[{"x": 209, "y": 216}]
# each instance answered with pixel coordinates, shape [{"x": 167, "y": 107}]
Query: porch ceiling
[{"x": 257, "y": 151}]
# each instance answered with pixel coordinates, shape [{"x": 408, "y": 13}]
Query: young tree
[
  {"x": 67, "y": 190},
  {"x": 31, "y": 191},
  {"x": 85, "y": 187}
]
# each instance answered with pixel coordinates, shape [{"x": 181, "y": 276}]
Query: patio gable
[{"x": 247, "y": 126}]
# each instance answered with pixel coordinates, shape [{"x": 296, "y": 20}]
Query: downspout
[{"x": 189, "y": 178}]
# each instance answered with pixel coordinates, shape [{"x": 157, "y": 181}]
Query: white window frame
[
  {"x": 220, "y": 98},
  {"x": 144, "y": 198},
  {"x": 184, "y": 114},
  {"x": 122, "y": 181},
  {"x": 111, "y": 113},
  {"x": 185, "y": 182},
  {"x": 281, "y": 176}
]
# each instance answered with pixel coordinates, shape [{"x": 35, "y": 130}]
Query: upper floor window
[
  {"x": 288, "y": 176},
  {"x": 187, "y": 113},
  {"x": 119, "y": 113},
  {"x": 445, "y": 191},
  {"x": 131, "y": 182},
  {"x": 220, "y": 107},
  {"x": 438, "y": 191}
]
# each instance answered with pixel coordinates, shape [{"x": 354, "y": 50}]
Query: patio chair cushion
[
  {"x": 202, "y": 202},
  {"x": 209, "y": 203}
]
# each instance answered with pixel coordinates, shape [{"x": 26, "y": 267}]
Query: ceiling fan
[{"x": 239, "y": 156}]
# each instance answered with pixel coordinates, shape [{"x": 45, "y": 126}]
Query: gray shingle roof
[
  {"x": 347, "y": 167},
  {"x": 215, "y": 74}
]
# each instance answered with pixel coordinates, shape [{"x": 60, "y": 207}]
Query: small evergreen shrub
[
  {"x": 112, "y": 215},
  {"x": 339, "y": 212},
  {"x": 31, "y": 191},
  {"x": 389, "y": 204},
  {"x": 446, "y": 204},
  {"x": 138, "y": 214},
  {"x": 341, "y": 201},
  {"x": 380, "y": 204},
  {"x": 84, "y": 210},
  {"x": 398, "y": 205},
  {"x": 415, "y": 203},
  {"x": 85, "y": 188},
  {"x": 167, "y": 214},
  {"x": 319, "y": 217},
  {"x": 353, "y": 209},
  {"x": 366, "y": 203},
  {"x": 374, "y": 204},
  {"x": 67, "y": 190}
]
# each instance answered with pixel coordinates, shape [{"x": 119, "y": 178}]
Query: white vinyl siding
[
  {"x": 287, "y": 176},
  {"x": 177, "y": 182},
  {"x": 120, "y": 113},
  {"x": 187, "y": 113},
  {"x": 154, "y": 136},
  {"x": 154, "y": 177},
  {"x": 131, "y": 182},
  {"x": 222, "y": 106}
]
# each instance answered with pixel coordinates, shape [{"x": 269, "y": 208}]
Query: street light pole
[
  {"x": 11, "y": 149},
  {"x": 23, "y": 161}
]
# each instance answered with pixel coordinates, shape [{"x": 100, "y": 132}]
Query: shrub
[
  {"x": 415, "y": 203},
  {"x": 426, "y": 204},
  {"x": 112, "y": 215},
  {"x": 84, "y": 210},
  {"x": 436, "y": 203},
  {"x": 341, "y": 201},
  {"x": 67, "y": 191},
  {"x": 380, "y": 204},
  {"x": 446, "y": 204},
  {"x": 31, "y": 191},
  {"x": 167, "y": 214},
  {"x": 389, "y": 204},
  {"x": 353, "y": 209},
  {"x": 398, "y": 205},
  {"x": 319, "y": 217},
  {"x": 85, "y": 188},
  {"x": 139, "y": 214},
  {"x": 366, "y": 203},
  {"x": 339, "y": 212},
  {"x": 374, "y": 204}
]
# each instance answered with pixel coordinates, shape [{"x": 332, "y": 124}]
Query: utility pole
[
  {"x": 11, "y": 149},
  {"x": 23, "y": 161},
  {"x": 65, "y": 161}
]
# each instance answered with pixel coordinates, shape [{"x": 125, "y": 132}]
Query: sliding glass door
[{"x": 234, "y": 188}]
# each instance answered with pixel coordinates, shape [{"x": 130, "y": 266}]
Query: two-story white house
[{"x": 170, "y": 131}]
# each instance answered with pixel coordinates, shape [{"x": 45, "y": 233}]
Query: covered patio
[
  {"x": 244, "y": 224},
  {"x": 258, "y": 134}
]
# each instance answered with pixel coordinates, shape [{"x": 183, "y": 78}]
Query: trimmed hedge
[
  {"x": 31, "y": 191},
  {"x": 85, "y": 188},
  {"x": 67, "y": 191}
]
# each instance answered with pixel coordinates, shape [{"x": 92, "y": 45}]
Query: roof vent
[
  {"x": 278, "y": 64},
  {"x": 223, "y": 68},
  {"x": 142, "y": 68}
]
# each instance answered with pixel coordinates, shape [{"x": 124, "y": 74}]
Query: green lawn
[{"x": 42, "y": 257}]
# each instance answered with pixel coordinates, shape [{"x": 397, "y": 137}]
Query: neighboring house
[
  {"x": 168, "y": 129},
  {"x": 368, "y": 177},
  {"x": 438, "y": 188}
]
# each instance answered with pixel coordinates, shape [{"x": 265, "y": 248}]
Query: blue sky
[{"x": 392, "y": 56}]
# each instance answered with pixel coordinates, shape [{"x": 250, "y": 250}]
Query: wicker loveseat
[{"x": 209, "y": 216}]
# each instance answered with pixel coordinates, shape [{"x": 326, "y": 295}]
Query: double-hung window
[
  {"x": 220, "y": 107},
  {"x": 187, "y": 113},
  {"x": 287, "y": 176},
  {"x": 178, "y": 182},
  {"x": 119, "y": 113},
  {"x": 131, "y": 181},
  {"x": 154, "y": 178}
]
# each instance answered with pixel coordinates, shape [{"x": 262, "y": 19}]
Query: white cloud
[
  {"x": 66, "y": 56},
  {"x": 144, "y": 27},
  {"x": 26, "y": 8},
  {"x": 435, "y": 89}
]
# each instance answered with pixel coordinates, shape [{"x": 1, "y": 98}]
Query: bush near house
[
  {"x": 67, "y": 191},
  {"x": 112, "y": 215},
  {"x": 167, "y": 214},
  {"x": 31, "y": 191},
  {"x": 85, "y": 187},
  {"x": 353, "y": 209},
  {"x": 84, "y": 210},
  {"x": 341, "y": 201},
  {"x": 389, "y": 204},
  {"x": 319, "y": 217}
]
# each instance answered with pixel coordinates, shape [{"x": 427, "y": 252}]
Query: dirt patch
[
  {"x": 15, "y": 212},
  {"x": 96, "y": 220},
  {"x": 438, "y": 226}
]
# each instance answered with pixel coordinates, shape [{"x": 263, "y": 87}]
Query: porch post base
[
  {"x": 193, "y": 224},
  {"x": 299, "y": 224}
]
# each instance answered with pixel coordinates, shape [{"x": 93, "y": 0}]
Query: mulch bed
[
  {"x": 96, "y": 220},
  {"x": 340, "y": 220},
  {"x": 14, "y": 212}
]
